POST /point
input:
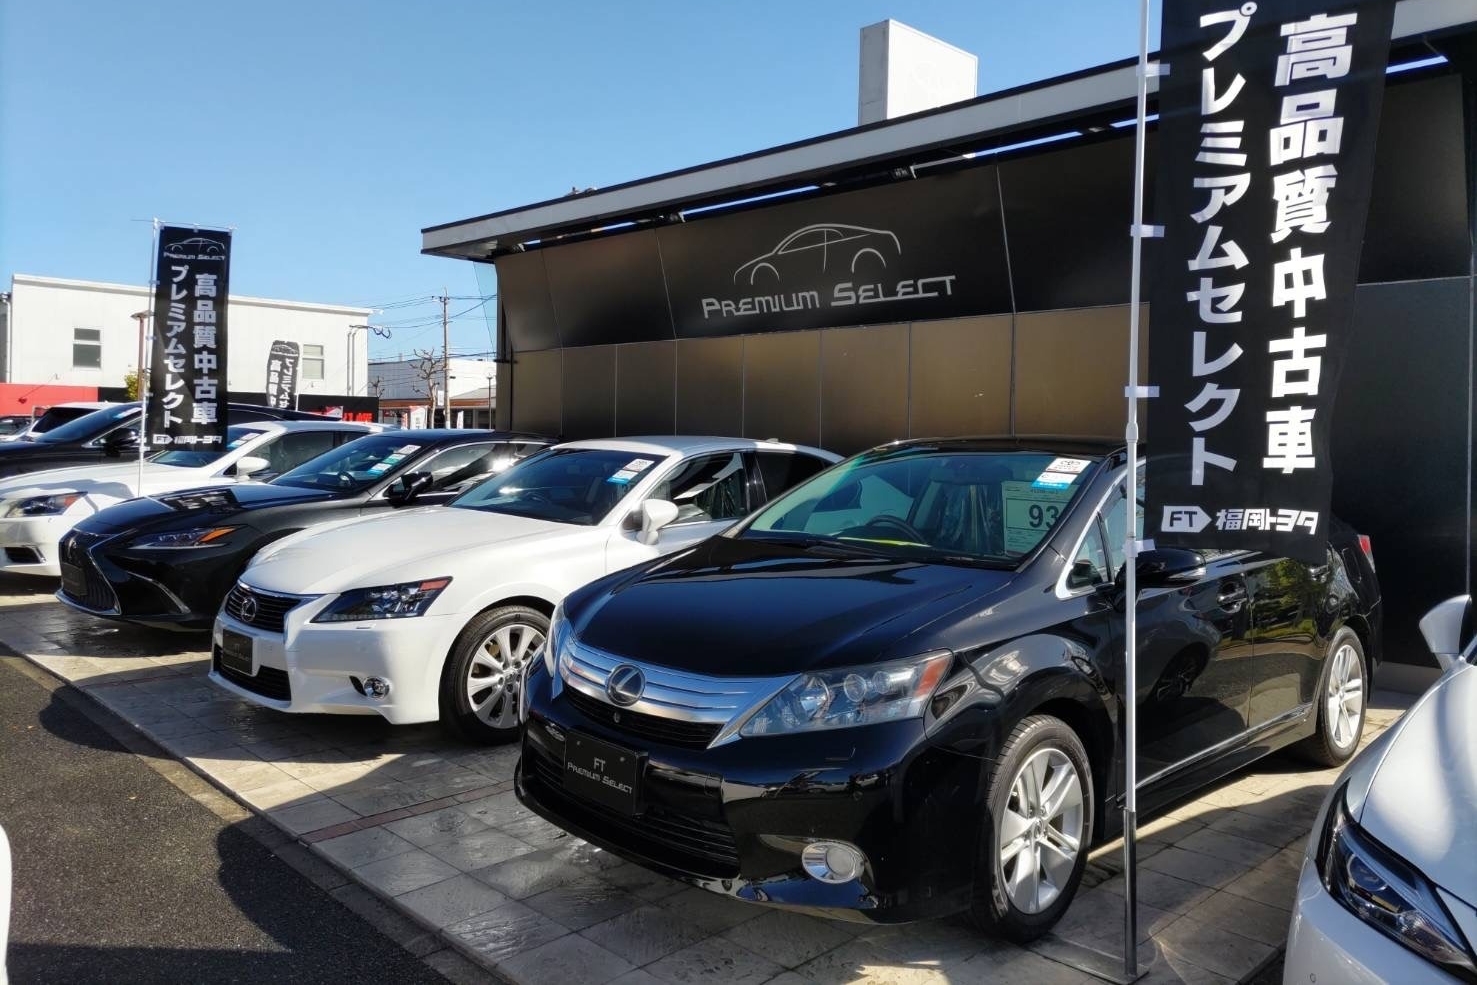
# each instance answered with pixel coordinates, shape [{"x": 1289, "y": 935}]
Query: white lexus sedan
[
  {"x": 1388, "y": 890},
  {"x": 431, "y": 613},
  {"x": 38, "y": 508}
]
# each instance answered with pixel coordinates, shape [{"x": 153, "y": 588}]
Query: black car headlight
[
  {"x": 1386, "y": 892},
  {"x": 401, "y": 601},
  {"x": 853, "y": 696},
  {"x": 177, "y": 539}
]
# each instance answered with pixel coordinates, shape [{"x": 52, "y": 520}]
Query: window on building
[
  {"x": 87, "y": 348},
  {"x": 312, "y": 368}
]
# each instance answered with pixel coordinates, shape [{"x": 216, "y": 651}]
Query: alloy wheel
[
  {"x": 1344, "y": 700},
  {"x": 497, "y": 663},
  {"x": 1040, "y": 834}
]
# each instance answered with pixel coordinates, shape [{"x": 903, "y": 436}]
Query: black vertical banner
[
  {"x": 1267, "y": 124},
  {"x": 282, "y": 362},
  {"x": 187, "y": 375}
]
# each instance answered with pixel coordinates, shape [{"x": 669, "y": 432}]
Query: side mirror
[
  {"x": 1165, "y": 566},
  {"x": 655, "y": 514},
  {"x": 408, "y": 487},
  {"x": 1442, "y": 629},
  {"x": 115, "y": 443},
  {"x": 249, "y": 465}
]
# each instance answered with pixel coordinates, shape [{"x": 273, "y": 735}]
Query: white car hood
[
  {"x": 428, "y": 542},
  {"x": 116, "y": 481},
  {"x": 1422, "y": 801}
]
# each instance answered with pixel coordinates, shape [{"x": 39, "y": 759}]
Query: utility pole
[{"x": 445, "y": 362}]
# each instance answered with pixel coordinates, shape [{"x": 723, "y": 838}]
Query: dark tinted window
[
  {"x": 89, "y": 426},
  {"x": 783, "y": 469},
  {"x": 713, "y": 487},
  {"x": 570, "y": 485},
  {"x": 294, "y": 448},
  {"x": 465, "y": 464}
]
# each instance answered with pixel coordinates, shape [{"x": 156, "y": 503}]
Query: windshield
[
  {"x": 930, "y": 503},
  {"x": 568, "y": 485},
  {"x": 55, "y": 417},
  {"x": 86, "y": 427},
  {"x": 195, "y": 458},
  {"x": 354, "y": 466}
]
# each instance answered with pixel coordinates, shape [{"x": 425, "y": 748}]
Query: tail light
[{"x": 1367, "y": 547}]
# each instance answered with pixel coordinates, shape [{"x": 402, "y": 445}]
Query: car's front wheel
[
  {"x": 1040, "y": 801},
  {"x": 479, "y": 687}
]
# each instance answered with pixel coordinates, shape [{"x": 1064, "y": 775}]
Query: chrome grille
[
  {"x": 263, "y": 610},
  {"x": 719, "y": 703}
]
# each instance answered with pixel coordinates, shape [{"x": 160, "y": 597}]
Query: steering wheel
[
  {"x": 886, "y": 521},
  {"x": 534, "y": 496},
  {"x": 345, "y": 479}
]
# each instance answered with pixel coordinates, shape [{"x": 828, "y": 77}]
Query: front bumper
[
  {"x": 312, "y": 667},
  {"x": 735, "y": 818},
  {"x": 177, "y": 589},
  {"x": 28, "y": 545},
  {"x": 1327, "y": 943}
]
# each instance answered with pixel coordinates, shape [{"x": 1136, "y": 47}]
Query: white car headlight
[
  {"x": 853, "y": 696},
  {"x": 41, "y": 505},
  {"x": 402, "y": 601},
  {"x": 1386, "y": 892}
]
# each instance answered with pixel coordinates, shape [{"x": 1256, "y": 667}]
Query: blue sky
[{"x": 328, "y": 133}]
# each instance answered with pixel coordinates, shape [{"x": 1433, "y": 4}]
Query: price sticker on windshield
[{"x": 1030, "y": 511}]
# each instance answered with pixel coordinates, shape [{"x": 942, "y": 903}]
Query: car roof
[
  {"x": 685, "y": 444},
  {"x": 324, "y": 425},
  {"x": 469, "y": 434},
  {"x": 1086, "y": 447},
  {"x": 88, "y": 404}
]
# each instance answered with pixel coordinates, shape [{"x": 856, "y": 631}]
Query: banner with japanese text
[
  {"x": 282, "y": 360},
  {"x": 1267, "y": 125},
  {"x": 187, "y": 372}
]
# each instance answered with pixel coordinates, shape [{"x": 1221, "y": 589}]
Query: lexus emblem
[
  {"x": 248, "y": 609},
  {"x": 625, "y": 684}
]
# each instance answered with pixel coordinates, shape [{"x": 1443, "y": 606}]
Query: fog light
[
  {"x": 832, "y": 861},
  {"x": 377, "y": 687}
]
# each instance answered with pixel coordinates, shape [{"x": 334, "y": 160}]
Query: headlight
[
  {"x": 554, "y": 639},
  {"x": 856, "y": 696},
  {"x": 195, "y": 537},
  {"x": 42, "y": 505},
  {"x": 412, "y": 598},
  {"x": 1386, "y": 892}
]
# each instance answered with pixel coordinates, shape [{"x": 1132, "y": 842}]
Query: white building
[
  {"x": 83, "y": 333},
  {"x": 401, "y": 386}
]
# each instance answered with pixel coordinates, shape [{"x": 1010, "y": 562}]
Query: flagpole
[
  {"x": 145, "y": 349},
  {"x": 1131, "y": 546}
]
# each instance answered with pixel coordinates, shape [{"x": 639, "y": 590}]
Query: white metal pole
[{"x": 1130, "y": 552}]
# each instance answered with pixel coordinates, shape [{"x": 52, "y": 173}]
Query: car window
[
  {"x": 712, "y": 487},
  {"x": 194, "y": 458},
  {"x": 564, "y": 485},
  {"x": 1091, "y": 553},
  {"x": 293, "y": 448},
  {"x": 1114, "y": 517},
  {"x": 456, "y": 467},
  {"x": 782, "y": 469},
  {"x": 88, "y": 426},
  {"x": 356, "y": 464},
  {"x": 942, "y": 503}
]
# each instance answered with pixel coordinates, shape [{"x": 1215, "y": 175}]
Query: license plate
[
  {"x": 603, "y": 773},
  {"x": 236, "y": 653}
]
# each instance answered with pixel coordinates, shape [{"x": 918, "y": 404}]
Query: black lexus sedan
[
  {"x": 168, "y": 561},
  {"x": 890, "y": 693},
  {"x": 105, "y": 434}
]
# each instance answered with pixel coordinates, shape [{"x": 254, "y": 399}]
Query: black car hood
[
  {"x": 191, "y": 507},
  {"x": 739, "y": 607}
]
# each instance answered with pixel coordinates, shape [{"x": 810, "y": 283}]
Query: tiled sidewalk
[{"x": 434, "y": 826}]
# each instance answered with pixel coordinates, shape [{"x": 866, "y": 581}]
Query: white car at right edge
[
  {"x": 432, "y": 613},
  {"x": 1388, "y": 889}
]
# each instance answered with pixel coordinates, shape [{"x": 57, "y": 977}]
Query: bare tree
[{"x": 427, "y": 367}]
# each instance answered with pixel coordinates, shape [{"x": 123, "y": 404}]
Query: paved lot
[{"x": 435, "y": 827}]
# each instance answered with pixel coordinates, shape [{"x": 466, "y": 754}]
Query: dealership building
[
  {"x": 966, "y": 270},
  {"x": 76, "y": 340}
]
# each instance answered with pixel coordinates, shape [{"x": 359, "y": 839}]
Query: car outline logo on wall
[
  {"x": 856, "y": 244},
  {"x": 196, "y": 247}
]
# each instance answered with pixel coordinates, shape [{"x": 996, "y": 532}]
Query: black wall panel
[
  {"x": 537, "y": 394},
  {"x": 645, "y": 374},
  {"x": 609, "y": 290},
  {"x": 589, "y": 392},
  {"x": 1400, "y": 446},
  {"x": 528, "y": 311},
  {"x": 864, "y": 387},
  {"x": 960, "y": 377},
  {"x": 710, "y": 386},
  {"x": 1071, "y": 368},
  {"x": 782, "y": 387}
]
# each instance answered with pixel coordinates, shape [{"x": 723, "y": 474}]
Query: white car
[
  {"x": 38, "y": 508},
  {"x": 431, "y": 613},
  {"x": 1388, "y": 889}
]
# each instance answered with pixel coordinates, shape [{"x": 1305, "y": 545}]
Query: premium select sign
[
  {"x": 1267, "y": 124},
  {"x": 187, "y": 375}
]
